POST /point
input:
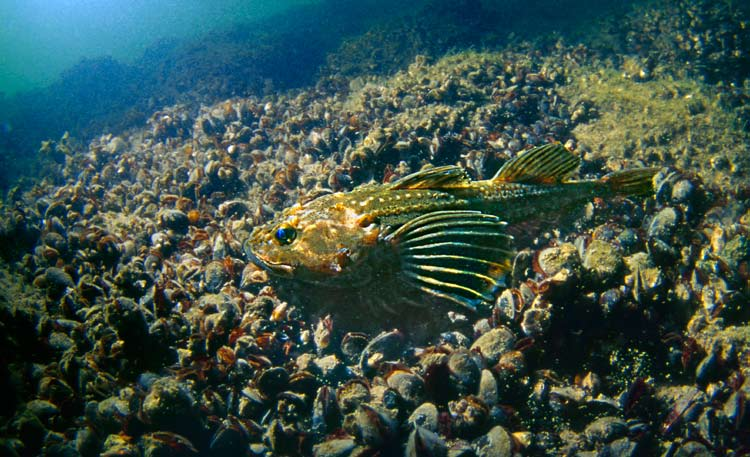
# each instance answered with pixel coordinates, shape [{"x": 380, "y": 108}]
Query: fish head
[{"x": 323, "y": 241}]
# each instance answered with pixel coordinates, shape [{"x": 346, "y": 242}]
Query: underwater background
[{"x": 141, "y": 145}]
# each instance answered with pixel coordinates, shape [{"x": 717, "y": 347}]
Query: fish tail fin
[{"x": 636, "y": 181}]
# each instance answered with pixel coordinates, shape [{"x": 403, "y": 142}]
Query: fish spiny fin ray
[
  {"x": 461, "y": 256},
  {"x": 434, "y": 178},
  {"x": 547, "y": 164}
]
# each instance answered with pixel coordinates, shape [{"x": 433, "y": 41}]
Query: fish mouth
[{"x": 279, "y": 269}]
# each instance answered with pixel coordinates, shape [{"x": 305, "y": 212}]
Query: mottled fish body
[{"x": 434, "y": 233}]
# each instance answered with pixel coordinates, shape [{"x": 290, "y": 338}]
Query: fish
[{"x": 432, "y": 236}]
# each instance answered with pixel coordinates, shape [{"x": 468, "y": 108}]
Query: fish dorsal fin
[
  {"x": 546, "y": 164},
  {"x": 434, "y": 178},
  {"x": 460, "y": 256}
]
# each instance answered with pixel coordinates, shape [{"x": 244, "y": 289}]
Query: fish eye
[{"x": 285, "y": 234}]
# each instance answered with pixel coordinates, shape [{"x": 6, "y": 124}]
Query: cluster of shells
[
  {"x": 701, "y": 38},
  {"x": 153, "y": 335}
]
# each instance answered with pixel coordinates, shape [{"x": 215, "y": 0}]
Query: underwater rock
[
  {"x": 425, "y": 416},
  {"x": 334, "y": 448},
  {"x": 54, "y": 281},
  {"x": 605, "y": 430},
  {"x": 494, "y": 343},
  {"x": 496, "y": 443},
  {"x": 603, "y": 260},
  {"x": 215, "y": 276},
  {"x": 409, "y": 386},
  {"x": 169, "y": 405},
  {"x": 422, "y": 441},
  {"x": 552, "y": 260},
  {"x": 664, "y": 224},
  {"x": 174, "y": 219}
]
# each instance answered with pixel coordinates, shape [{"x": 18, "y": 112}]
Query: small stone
[
  {"x": 215, "y": 276},
  {"x": 42, "y": 409},
  {"x": 603, "y": 260},
  {"x": 628, "y": 239},
  {"x": 110, "y": 413},
  {"x": 426, "y": 416},
  {"x": 55, "y": 390},
  {"x": 57, "y": 445},
  {"x": 683, "y": 191},
  {"x": 651, "y": 279},
  {"x": 163, "y": 444},
  {"x": 494, "y": 343},
  {"x": 488, "y": 391},
  {"x": 120, "y": 445},
  {"x": 56, "y": 280},
  {"x": 425, "y": 442},
  {"x": 468, "y": 416},
  {"x": 736, "y": 250},
  {"x": 272, "y": 381},
  {"x": 552, "y": 260},
  {"x": 116, "y": 145},
  {"x": 330, "y": 367},
  {"x": 60, "y": 342},
  {"x": 408, "y": 385},
  {"x": 536, "y": 321},
  {"x": 622, "y": 447},
  {"x": 496, "y": 443},
  {"x": 734, "y": 406},
  {"x": 648, "y": 277},
  {"x": 352, "y": 345},
  {"x": 30, "y": 430},
  {"x": 56, "y": 241},
  {"x": 87, "y": 443},
  {"x": 371, "y": 426},
  {"x": 604, "y": 232},
  {"x": 464, "y": 372},
  {"x": 127, "y": 319},
  {"x": 664, "y": 224},
  {"x": 170, "y": 406},
  {"x": 606, "y": 429},
  {"x": 522, "y": 267},
  {"x": 174, "y": 219},
  {"x": 662, "y": 252},
  {"x": 608, "y": 301},
  {"x": 219, "y": 249},
  {"x": 334, "y": 448},
  {"x": 350, "y": 395},
  {"x": 306, "y": 362},
  {"x": 693, "y": 449},
  {"x": 220, "y": 310}
]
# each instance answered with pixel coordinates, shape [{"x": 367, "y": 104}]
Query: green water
[{"x": 40, "y": 38}]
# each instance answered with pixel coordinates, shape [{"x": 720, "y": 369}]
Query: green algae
[{"x": 683, "y": 123}]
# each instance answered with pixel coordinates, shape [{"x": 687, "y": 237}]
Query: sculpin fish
[{"x": 434, "y": 235}]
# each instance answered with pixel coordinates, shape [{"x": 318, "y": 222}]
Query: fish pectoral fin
[
  {"x": 434, "y": 178},
  {"x": 461, "y": 256},
  {"x": 547, "y": 164}
]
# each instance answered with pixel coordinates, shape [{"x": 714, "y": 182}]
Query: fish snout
[{"x": 255, "y": 254}]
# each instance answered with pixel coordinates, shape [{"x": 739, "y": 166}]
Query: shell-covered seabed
[{"x": 133, "y": 323}]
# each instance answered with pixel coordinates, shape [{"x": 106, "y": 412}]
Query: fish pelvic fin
[
  {"x": 635, "y": 181},
  {"x": 546, "y": 164},
  {"x": 459, "y": 256}
]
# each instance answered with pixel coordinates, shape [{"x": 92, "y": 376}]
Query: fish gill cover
[{"x": 135, "y": 322}]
